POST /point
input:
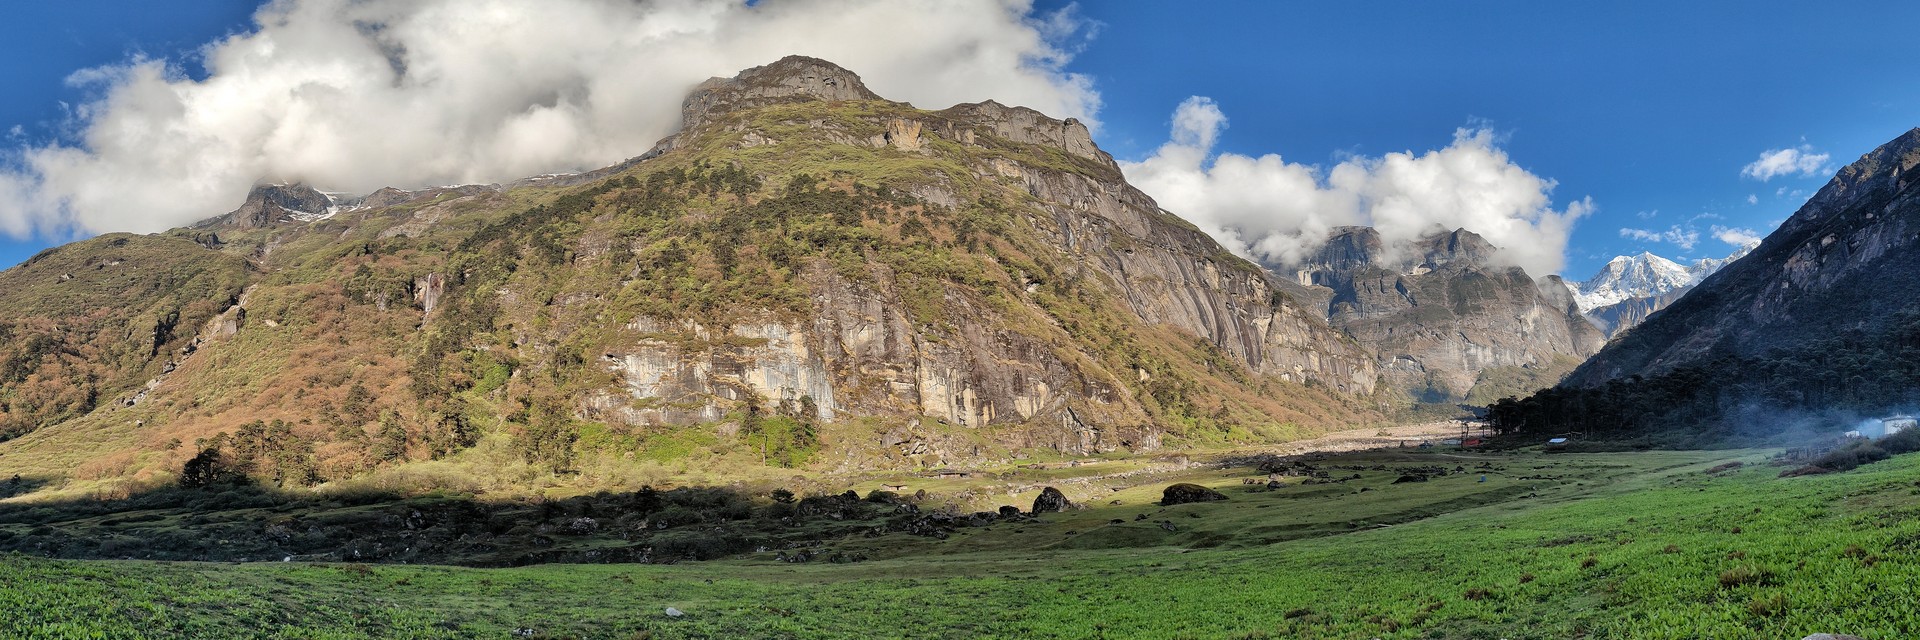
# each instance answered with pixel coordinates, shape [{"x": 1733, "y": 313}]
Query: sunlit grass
[{"x": 1654, "y": 548}]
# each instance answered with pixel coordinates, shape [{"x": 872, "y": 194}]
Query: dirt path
[{"x": 1358, "y": 439}]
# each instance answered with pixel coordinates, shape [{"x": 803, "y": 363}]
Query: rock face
[
  {"x": 791, "y": 79},
  {"x": 268, "y": 204},
  {"x": 1050, "y": 500},
  {"x": 1184, "y": 493},
  {"x": 858, "y": 354},
  {"x": 1442, "y": 310},
  {"x": 1844, "y": 261}
]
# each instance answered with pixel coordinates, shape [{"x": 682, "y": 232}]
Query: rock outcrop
[
  {"x": 1050, "y": 500},
  {"x": 268, "y": 204},
  {"x": 1185, "y": 492}
]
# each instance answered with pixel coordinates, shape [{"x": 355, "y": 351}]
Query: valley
[
  {"x": 1618, "y": 545},
  {"x": 822, "y": 363}
]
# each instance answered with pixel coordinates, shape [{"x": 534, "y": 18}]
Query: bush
[
  {"x": 1745, "y": 575},
  {"x": 209, "y": 468},
  {"x": 1907, "y": 441},
  {"x": 1767, "y": 606}
]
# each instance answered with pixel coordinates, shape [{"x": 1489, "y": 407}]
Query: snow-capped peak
[
  {"x": 1644, "y": 276},
  {"x": 1633, "y": 276}
]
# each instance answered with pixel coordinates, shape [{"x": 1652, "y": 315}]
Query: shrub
[
  {"x": 1745, "y": 575},
  {"x": 1768, "y": 605},
  {"x": 209, "y": 468}
]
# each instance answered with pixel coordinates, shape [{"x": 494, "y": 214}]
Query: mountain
[
  {"x": 1636, "y": 276},
  {"x": 1446, "y": 316},
  {"x": 806, "y": 275},
  {"x": 1630, "y": 288},
  {"x": 1824, "y": 315}
]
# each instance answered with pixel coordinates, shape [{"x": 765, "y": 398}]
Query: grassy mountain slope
[
  {"x": 804, "y": 278},
  {"x": 87, "y": 324}
]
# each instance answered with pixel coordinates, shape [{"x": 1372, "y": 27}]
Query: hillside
[
  {"x": 87, "y": 325},
  {"x": 805, "y": 277},
  {"x": 1823, "y": 316}
]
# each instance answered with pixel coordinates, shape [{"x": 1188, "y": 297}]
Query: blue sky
[{"x": 1650, "y": 109}]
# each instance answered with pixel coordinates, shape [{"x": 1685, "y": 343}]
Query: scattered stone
[
  {"x": 1050, "y": 500},
  {"x": 1184, "y": 493},
  {"x": 675, "y": 613},
  {"x": 1832, "y": 636},
  {"x": 1409, "y": 478},
  {"x": 1009, "y": 511}
]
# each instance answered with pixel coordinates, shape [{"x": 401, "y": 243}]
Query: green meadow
[{"x": 1614, "y": 545}]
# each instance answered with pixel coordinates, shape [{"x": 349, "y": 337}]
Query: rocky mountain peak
[
  {"x": 270, "y": 203},
  {"x": 1879, "y": 174},
  {"x": 1348, "y": 248},
  {"x": 1459, "y": 245},
  {"x": 790, "y": 79},
  {"x": 1357, "y": 247},
  {"x": 1624, "y": 277},
  {"x": 1027, "y": 126},
  {"x": 1440, "y": 310}
]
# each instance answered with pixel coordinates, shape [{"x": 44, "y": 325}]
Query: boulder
[
  {"x": 1009, "y": 511},
  {"x": 1050, "y": 500},
  {"x": 1186, "y": 492}
]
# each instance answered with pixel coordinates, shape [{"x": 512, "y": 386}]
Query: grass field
[{"x": 1625, "y": 545}]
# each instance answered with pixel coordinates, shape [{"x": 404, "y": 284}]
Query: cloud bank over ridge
[
  {"x": 357, "y": 95},
  {"x": 1279, "y": 212}
]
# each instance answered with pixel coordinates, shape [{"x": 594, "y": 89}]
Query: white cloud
[
  {"x": 1738, "y": 237},
  {"x": 1279, "y": 212},
  {"x": 1648, "y": 215},
  {"x": 1685, "y": 238},
  {"x": 355, "y": 95},
  {"x": 1753, "y": 198},
  {"x": 1785, "y": 162}
]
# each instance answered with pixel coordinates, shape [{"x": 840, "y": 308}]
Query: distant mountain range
[{"x": 1630, "y": 288}]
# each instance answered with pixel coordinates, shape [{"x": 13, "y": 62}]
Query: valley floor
[{"x": 1623, "y": 545}]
